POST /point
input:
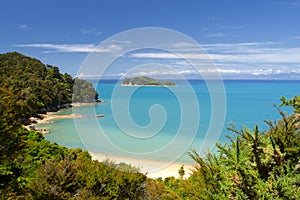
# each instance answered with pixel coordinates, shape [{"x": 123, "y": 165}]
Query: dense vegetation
[
  {"x": 33, "y": 168},
  {"x": 253, "y": 164},
  {"x": 144, "y": 80},
  {"x": 41, "y": 87}
]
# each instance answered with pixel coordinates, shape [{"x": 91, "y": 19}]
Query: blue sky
[{"x": 245, "y": 39}]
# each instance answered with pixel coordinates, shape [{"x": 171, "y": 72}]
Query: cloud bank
[{"x": 232, "y": 60}]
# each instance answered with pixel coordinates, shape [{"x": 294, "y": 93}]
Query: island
[{"x": 144, "y": 80}]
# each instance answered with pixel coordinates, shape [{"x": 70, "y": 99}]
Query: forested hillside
[{"x": 41, "y": 87}]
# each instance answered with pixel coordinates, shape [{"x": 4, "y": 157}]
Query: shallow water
[{"x": 158, "y": 123}]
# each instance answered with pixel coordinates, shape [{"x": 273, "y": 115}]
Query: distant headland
[{"x": 145, "y": 81}]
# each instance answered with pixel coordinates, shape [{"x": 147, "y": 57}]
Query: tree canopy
[
  {"x": 41, "y": 87},
  {"x": 144, "y": 80}
]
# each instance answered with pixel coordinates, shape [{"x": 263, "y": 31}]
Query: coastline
[
  {"x": 43, "y": 119},
  {"x": 86, "y": 104},
  {"x": 49, "y": 116},
  {"x": 153, "y": 169}
]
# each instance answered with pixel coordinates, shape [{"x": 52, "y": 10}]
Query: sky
[{"x": 257, "y": 39}]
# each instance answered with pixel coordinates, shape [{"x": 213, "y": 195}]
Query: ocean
[{"x": 165, "y": 123}]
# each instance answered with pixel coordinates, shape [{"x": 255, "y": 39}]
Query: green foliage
[
  {"x": 285, "y": 134},
  {"x": 294, "y": 102},
  {"x": 11, "y": 133},
  {"x": 83, "y": 178},
  {"x": 83, "y": 91},
  {"x": 169, "y": 188},
  {"x": 144, "y": 80},
  {"x": 33, "y": 168},
  {"x": 254, "y": 165},
  {"x": 42, "y": 170},
  {"x": 40, "y": 87},
  {"x": 181, "y": 172}
]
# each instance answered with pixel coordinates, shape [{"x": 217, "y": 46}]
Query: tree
[
  {"x": 181, "y": 172},
  {"x": 84, "y": 91},
  {"x": 294, "y": 102}
]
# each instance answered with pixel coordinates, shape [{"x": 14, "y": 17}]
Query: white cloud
[
  {"x": 213, "y": 18},
  {"x": 288, "y": 4},
  {"x": 238, "y": 47},
  {"x": 275, "y": 56},
  {"x": 82, "y": 48},
  {"x": 231, "y": 71},
  {"x": 221, "y": 28},
  {"x": 171, "y": 56},
  {"x": 88, "y": 76},
  {"x": 216, "y": 35},
  {"x": 90, "y": 31},
  {"x": 116, "y": 74},
  {"x": 248, "y": 58},
  {"x": 188, "y": 72},
  {"x": 289, "y": 56},
  {"x": 24, "y": 27},
  {"x": 154, "y": 73},
  {"x": 250, "y": 52}
]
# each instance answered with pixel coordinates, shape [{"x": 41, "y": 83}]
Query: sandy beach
[
  {"x": 46, "y": 118},
  {"x": 50, "y": 116},
  {"x": 154, "y": 169}
]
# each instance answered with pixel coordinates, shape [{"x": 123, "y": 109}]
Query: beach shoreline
[
  {"x": 74, "y": 105},
  {"x": 50, "y": 116},
  {"x": 42, "y": 119},
  {"x": 152, "y": 168}
]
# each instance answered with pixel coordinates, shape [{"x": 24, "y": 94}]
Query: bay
[{"x": 159, "y": 123}]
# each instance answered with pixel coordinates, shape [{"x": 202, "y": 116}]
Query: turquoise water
[{"x": 161, "y": 123}]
